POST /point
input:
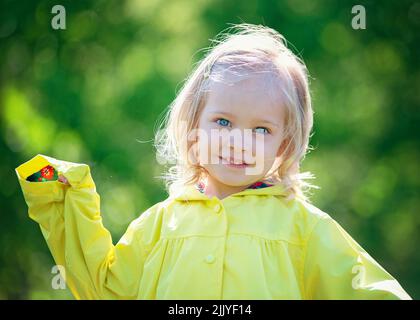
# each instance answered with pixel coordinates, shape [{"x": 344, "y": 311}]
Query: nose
[
  {"x": 238, "y": 145},
  {"x": 244, "y": 142},
  {"x": 234, "y": 142}
]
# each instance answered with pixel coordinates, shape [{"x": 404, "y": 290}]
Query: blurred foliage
[{"x": 92, "y": 92}]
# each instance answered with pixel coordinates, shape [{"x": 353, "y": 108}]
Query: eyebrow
[{"x": 258, "y": 120}]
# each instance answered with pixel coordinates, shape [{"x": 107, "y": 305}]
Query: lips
[{"x": 231, "y": 162}]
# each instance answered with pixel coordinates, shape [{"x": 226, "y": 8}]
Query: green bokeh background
[{"x": 94, "y": 92}]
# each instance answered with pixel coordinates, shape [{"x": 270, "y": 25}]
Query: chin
[{"x": 234, "y": 179}]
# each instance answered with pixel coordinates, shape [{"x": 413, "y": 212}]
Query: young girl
[{"x": 236, "y": 223}]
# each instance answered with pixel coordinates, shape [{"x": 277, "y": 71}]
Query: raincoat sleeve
[
  {"x": 70, "y": 221},
  {"x": 336, "y": 267}
]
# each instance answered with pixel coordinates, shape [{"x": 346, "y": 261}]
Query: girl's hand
[{"x": 63, "y": 179}]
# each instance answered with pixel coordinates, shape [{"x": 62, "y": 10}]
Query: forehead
[{"x": 254, "y": 96}]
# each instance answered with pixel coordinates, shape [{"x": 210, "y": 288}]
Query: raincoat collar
[{"x": 191, "y": 192}]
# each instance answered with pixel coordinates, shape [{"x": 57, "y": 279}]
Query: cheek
[
  {"x": 209, "y": 138},
  {"x": 268, "y": 152},
  {"x": 208, "y": 150},
  {"x": 263, "y": 145},
  {"x": 272, "y": 148}
]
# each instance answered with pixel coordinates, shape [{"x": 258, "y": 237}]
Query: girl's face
[{"x": 241, "y": 123}]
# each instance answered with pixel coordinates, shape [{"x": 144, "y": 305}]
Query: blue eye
[
  {"x": 263, "y": 132},
  {"x": 223, "y": 122}
]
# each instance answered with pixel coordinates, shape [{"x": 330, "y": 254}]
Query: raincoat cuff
[{"x": 77, "y": 174}]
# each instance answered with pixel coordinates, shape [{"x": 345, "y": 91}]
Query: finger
[{"x": 63, "y": 179}]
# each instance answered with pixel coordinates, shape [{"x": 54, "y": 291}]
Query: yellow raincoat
[{"x": 251, "y": 245}]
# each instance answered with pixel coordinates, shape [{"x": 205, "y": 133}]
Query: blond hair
[{"x": 252, "y": 48}]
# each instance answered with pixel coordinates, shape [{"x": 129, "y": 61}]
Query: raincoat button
[
  {"x": 210, "y": 258},
  {"x": 217, "y": 208}
]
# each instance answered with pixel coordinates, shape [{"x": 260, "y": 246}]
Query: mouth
[{"x": 231, "y": 163}]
